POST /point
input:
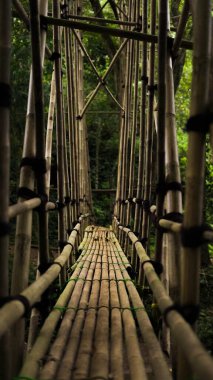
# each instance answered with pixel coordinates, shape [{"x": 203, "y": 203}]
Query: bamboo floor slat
[{"x": 95, "y": 330}]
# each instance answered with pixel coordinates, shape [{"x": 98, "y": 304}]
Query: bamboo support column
[
  {"x": 5, "y": 99},
  {"x": 195, "y": 171},
  {"x": 149, "y": 126},
  {"x": 20, "y": 272},
  {"x": 162, "y": 52},
  {"x": 59, "y": 125},
  {"x": 136, "y": 47},
  {"x": 139, "y": 194}
]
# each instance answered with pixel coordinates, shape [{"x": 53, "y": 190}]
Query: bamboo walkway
[
  {"x": 99, "y": 328},
  {"x": 100, "y": 335}
]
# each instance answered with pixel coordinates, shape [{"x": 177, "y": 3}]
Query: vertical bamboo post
[
  {"x": 135, "y": 121},
  {"x": 40, "y": 129},
  {"x": 126, "y": 126},
  {"x": 162, "y": 51},
  {"x": 49, "y": 137},
  {"x": 71, "y": 121},
  {"x": 149, "y": 123},
  {"x": 20, "y": 272},
  {"x": 59, "y": 124},
  {"x": 139, "y": 194},
  {"x": 5, "y": 99},
  {"x": 195, "y": 170}
]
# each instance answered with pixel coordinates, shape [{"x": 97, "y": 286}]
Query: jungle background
[{"x": 103, "y": 131}]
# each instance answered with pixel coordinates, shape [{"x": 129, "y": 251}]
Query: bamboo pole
[
  {"x": 181, "y": 28},
  {"x": 135, "y": 361},
  {"x": 49, "y": 136},
  {"x": 116, "y": 350},
  {"x": 82, "y": 363},
  {"x": 40, "y": 128},
  {"x": 103, "y": 20},
  {"x": 196, "y": 356},
  {"x": 195, "y": 170},
  {"x": 20, "y": 272},
  {"x": 156, "y": 356},
  {"x": 59, "y": 124},
  {"x": 24, "y": 17},
  {"x": 5, "y": 100},
  {"x": 72, "y": 132},
  {"x": 108, "y": 71},
  {"x": 162, "y": 51},
  {"x": 106, "y": 89},
  {"x": 31, "y": 365},
  {"x": 149, "y": 124},
  {"x": 57, "y": 356},
  {"x": 14, "y": 310},
  {"x": 138, "y": 36},
  {"x": 139, "y": 193}
]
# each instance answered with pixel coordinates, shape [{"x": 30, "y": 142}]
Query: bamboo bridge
[{"x": 100, "y": 328}]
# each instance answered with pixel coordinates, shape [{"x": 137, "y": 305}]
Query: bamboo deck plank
[{"x": 96, "y": 333}]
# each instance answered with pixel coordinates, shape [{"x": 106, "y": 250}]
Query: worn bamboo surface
[{"x": 99, "y": 328}]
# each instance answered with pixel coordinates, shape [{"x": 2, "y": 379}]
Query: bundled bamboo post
[
  {"x": 59, "y": 125},
  {"x": 5, "y": 100},
  {"x": 40, "y": 129},
  {"x": 171, "y": 261},
  {"x": 20, "y": 272},
  {"x": 141, "y": 159},
  {"x": 136, "y": 47},
  {"x": 149, "y": 125},
  {"x": 35, "y": 315},
  {"x": 71, "y": 122},
  {"x": 162, "y": 52},
  {"x": 195, "y": 171},
  {"x": 49, "y": 136}
]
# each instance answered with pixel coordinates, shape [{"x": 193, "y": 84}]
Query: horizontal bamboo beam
[
  {"x": 198, "y": 358},
  {"x": 102, "y": 20},
  {"x": 138, "y": 36},
  {"x": 30, "y": 204}
]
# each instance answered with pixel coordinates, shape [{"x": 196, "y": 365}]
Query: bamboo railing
[{"x": 99, "y": 326}]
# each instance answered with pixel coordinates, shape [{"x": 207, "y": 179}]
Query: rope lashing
[
  {"x": 193, "y": 237},
  {"x": 55, "y": 55},
  {"x": 37, "y": 164},
  {"x": 42, "y": 268},
  {"x": 65, "y": 308},
  {"x": 158, "y": 267},
  {"x": 5, "y": 95},
  {"x": 189, "y": 312},
  {"x": 4, "y": 229},
  {"x": 62, "y": 244},
  {"x": 200, "y": 123},
  {"x": 164, "y": 187},
  {"x": 20, "y": 298}
]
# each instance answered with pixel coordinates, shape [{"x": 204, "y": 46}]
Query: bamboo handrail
[
  {"x": 198, "y": 358},
  {"x": 14, "y": 310}
]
